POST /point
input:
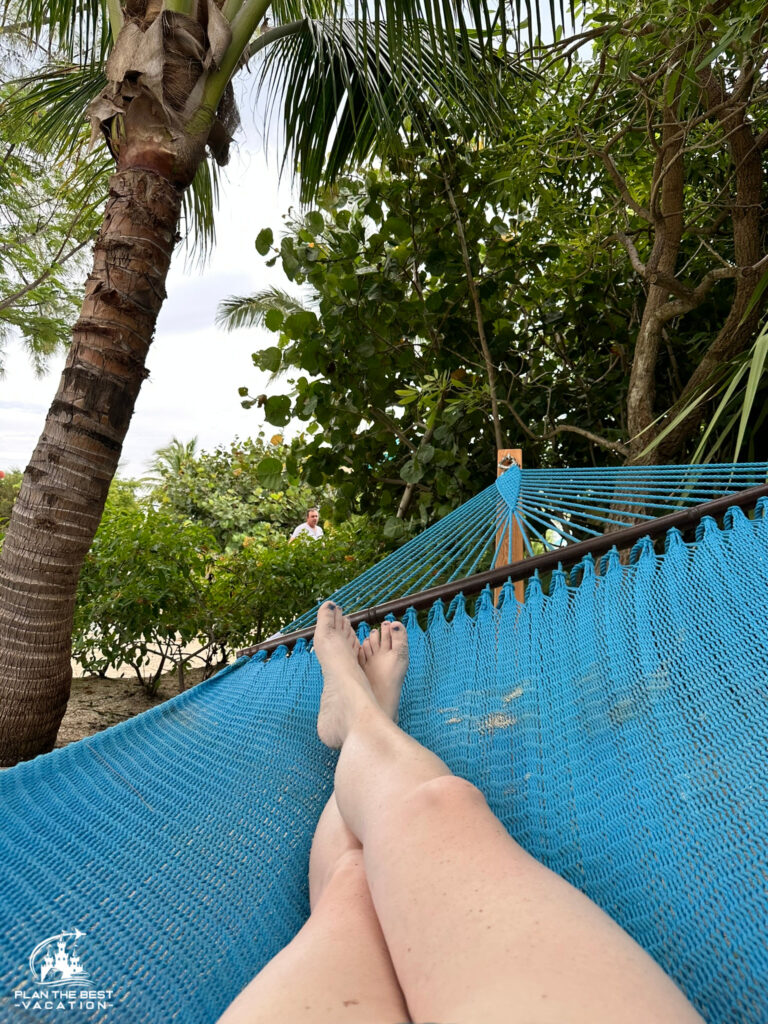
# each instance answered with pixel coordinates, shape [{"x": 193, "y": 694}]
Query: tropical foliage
[
  {"x": 237, "y": 491},
  {"x": 203, "y": 565},
  {"x": 10, "y": 482},
  {"x": 572, "y": 288},
  {"x": 49, "y": 212}
]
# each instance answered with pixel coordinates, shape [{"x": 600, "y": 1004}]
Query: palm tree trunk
[{"x": 65, "y": 486}]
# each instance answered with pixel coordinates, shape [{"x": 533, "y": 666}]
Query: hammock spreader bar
[{"x": 563, "y": 557}]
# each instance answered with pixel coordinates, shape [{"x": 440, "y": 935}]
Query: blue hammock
[{"x": 617, "y": 727}]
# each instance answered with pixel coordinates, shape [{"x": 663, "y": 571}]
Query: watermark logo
[{"x": 61, "y": 981}]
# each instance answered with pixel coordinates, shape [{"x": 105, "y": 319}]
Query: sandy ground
[{"x": 95, "y": 704}]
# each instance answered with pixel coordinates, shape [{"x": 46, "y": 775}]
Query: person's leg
[
  {"x": 337, "y": 969},
  {"x": 478, "y": 931}
]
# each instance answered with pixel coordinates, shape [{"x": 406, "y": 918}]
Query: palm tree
[
  {"x": 158, "y": 80},
  {"x": 171, "y": 460}
]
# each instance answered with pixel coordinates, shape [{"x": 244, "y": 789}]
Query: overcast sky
[{"x": 195, "y": 369}]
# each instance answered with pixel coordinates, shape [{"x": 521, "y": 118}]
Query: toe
[
  {"x": 399, "y": 638},
  {"x": 326, "y": 615},
  {"x": 338, "y": 617},
  {"x": 350, "y": 635},
  {"x": 386, "y": 636},
  {"x": 375, "y": 641}
]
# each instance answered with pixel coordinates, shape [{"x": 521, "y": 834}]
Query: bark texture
[
  {"x": 738, "y": 331},
  {"x": 65, "y": 486},
  {"x": 667, "y": 215}
]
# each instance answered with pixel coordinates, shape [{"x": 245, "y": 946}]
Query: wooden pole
[{"x": 504, "y": 459}]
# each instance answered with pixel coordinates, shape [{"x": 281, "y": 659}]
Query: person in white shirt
[{"x": 310, "y": 527}]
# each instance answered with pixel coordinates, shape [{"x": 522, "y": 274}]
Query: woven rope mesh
[
  {"x": 616, "y": 726},
  {"x": 550, "y": 508}
]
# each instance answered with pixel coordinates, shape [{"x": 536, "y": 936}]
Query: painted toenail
[
  {"x": 331, "y": 604},
  {"x": 395, "y": 627}
]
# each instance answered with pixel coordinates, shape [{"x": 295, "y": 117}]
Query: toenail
[
  {"x": 395, "y": 627},
  {"x": 331, "y": 604}
]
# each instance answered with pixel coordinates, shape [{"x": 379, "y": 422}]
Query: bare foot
[
  {"x": 384, "y": 657},
  {"x": 345, "y": 686}
]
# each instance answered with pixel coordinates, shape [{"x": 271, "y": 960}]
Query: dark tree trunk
[
  {"x": 667, "y": 210},
  {"x": 65, "y": 486},
  {"x": 738, "y": 331}
]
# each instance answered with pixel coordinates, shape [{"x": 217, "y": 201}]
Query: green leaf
[
  {"x": 734, "y": 383},
  {"x": 315, "y": 222},
  {"x": 412, "y": 471},
  {"x": 754, "y": 298},
  {"x": 394, "y": 528},
  {"x": 277, "y": 410},
  {"x": 671, "y": 85},
  {"x": 399, "y": 227},
  {"x": 269, "y": 359},
  {"x": 757, "y": 364},
  {"x": 264, "y": 241},
  {"x": 291, "y": 264},
  {"x": 273, "y": 320},
  {"x": 297, "y": 324},
  {"x": 406, "y": 397},
  {"x": 270, "y": 472},
  {"x": 715, "y": 52}
]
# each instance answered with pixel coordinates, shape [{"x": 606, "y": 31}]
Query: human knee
[
  {"x": 446, "y": 795},
  {"x": 344, "y": 874},
  {"x": 349, "y": 868}
]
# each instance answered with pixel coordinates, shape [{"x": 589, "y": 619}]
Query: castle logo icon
[
  {"x": 55, "y": 961},
  {"x": 60, "y": 979}
]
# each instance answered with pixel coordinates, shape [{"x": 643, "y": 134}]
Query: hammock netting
[
  {"x": 550, "y": 508},
  {"x": 616, "y": 725}
]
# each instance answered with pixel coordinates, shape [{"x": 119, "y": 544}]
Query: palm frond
[
  {"x": 250, "y": 310},
  {"x": 345, "y": 97},
  {"x": 198, "y": 210},
  {"x": 455, "y": 26},
  {"x": 47, "y": 110},
  {"x": 77, "y": 29},
  {"x": 282, "y": 12},
  {"x": 735, "y": 384},
  {"x": 171, "y": 460}
]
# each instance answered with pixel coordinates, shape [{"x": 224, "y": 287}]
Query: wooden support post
[{"x": 504, "y": 459}]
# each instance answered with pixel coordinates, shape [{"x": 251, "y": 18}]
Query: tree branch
[
  {"x": 622, "y": 186},
  {"x": 405, "y": 501},
  {"x": 391, "y": 425},
  {"x": 489, "y": 367},
  {"x": 634, "y": 255},
  {"x": 690, "y": 299},
  {"x": 9, "y": 300},
  {"x": 565, "y": 428}
]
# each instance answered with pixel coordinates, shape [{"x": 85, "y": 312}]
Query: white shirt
[{"x": 316, "y": 532}]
